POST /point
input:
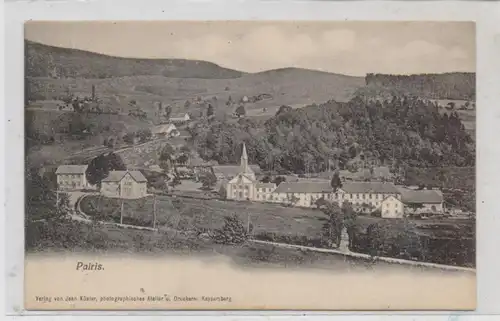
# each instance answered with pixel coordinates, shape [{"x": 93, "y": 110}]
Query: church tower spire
[{"x": 244, "y": 160}]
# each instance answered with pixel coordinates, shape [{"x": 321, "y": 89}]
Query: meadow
[{"x": 447, "y": 241}]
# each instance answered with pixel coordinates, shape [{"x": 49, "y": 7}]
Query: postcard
[{"x": 240, "y": 165}]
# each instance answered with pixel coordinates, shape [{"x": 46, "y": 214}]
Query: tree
[
  {"x": 168, "y": 111},
  {"x": 278, "y": 180},
  {"x": 398, "y": 240},
  {"x": 175, "y": 181},
  {"x": 336, "y": 183},
  {"x": 166, "y": 156},
  {"x": 240, "y": 111},
  {"x": 129, "y": 138},
  {"x": 97, "y": 170},
  {"x": 144, "y": 134},
  {"x": 265, "y": 179},
  {"x": 232, "y": 232},
  {"x": 283, "y": 109},
  {"x": 210, "y": 110},
  {"x": 333, "y": 224},
  {"x": 63, "y": 208},
  {"x": 208, "y": 181},
  {"x": 349, "y": 220},
  {"x": 115, "y": 162},
  {"x": 100, "y": 166},
  {"x": 182, "y": 159}
]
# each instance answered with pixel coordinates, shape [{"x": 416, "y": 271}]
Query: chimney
[{"x": 93, "y": 92}]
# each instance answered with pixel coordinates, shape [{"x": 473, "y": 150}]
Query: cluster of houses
[
  {"x": 120, "y": 184},
  {"x": 240, "y": 183},
  {"x": 384, "y": 198}
]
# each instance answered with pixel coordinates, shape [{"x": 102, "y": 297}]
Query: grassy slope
[
  {"x": 44, "y": 61},
  {"x": 51, "y": 71},
  {"x": 51, "y": 123},
  {"x": 287, "y": 86},
  {"x": 184, "y": 213},
  {"x": 78, "y": 237}
]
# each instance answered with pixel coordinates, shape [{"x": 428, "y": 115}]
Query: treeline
[
  {"x": 402, "y": 131},
  {"x": 460, "y": 86}
]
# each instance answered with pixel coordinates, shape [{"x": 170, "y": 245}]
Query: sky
[{"x": 353, "y": 48}]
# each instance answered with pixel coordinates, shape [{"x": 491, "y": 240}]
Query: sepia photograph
[{"x": 320, "y": 165}]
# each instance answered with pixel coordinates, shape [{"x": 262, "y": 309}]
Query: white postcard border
[{"x": 487, "y": 15}]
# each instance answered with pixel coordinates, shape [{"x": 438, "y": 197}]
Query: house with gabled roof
[
  {"x": 124, "y": 184},
  {"x": 422, "y": 201},
  {"x": 180, "y": 118},
  {"x": 165, "y": 130},
  {"x": 72, "y": 177}
]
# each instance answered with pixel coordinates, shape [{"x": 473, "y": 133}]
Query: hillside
[
  {"x": 455, "y": 86},
  {"x": 55, "y": 62},
  {"x": 295, "y": 87},
  {"x": 407, "y": 131}
]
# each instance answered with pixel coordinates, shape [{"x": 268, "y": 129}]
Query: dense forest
[
  {"x": 459, "y": 86},
  {"x": 404, "y": 131}
]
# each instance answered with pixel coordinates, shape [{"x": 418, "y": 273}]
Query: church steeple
[{"x": 244, "y": 160}]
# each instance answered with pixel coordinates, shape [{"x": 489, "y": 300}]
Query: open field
[
  {"x": 209, "y": 214},
  {"x": 273, "y": 222}
]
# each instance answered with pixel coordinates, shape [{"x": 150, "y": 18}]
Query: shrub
[{"x": 232, "y": 232}]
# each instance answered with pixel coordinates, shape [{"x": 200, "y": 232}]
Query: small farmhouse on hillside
[
  {"x": 180, "y": 118},
  {"x": 124, "y": 184},
  {"x": 165, "y": 130},
  {"x": 72, "y": 177}
]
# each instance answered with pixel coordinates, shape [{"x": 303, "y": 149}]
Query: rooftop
[
  {"x": 116, "y": 176},
  {"x": 369, "y": 187},
  {"x": 304, "y": 187},
  {"x": 163, "y": 128},
  {"x": 71, "y": 169},
  {"x": 265, "y": 185},
  {"x": 421, "y": 196}
]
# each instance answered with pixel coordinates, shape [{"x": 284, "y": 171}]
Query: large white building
[{"x": 383, "y": 198}]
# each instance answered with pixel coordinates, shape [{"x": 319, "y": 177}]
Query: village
[
  {"x": 374, "y": 194},
  {"x": 243, "y": 182},
  {"x": 174, "y": 166}
]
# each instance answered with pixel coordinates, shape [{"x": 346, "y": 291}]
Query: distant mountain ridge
[{"x": 56, "y": 62}]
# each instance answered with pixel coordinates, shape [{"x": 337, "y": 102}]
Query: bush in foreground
[{"x": 232, "y": 232}]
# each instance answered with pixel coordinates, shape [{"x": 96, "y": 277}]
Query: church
[{"x": 244, "y": 186}]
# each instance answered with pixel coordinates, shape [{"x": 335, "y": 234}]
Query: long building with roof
[{"x": 385, "y": 198}]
